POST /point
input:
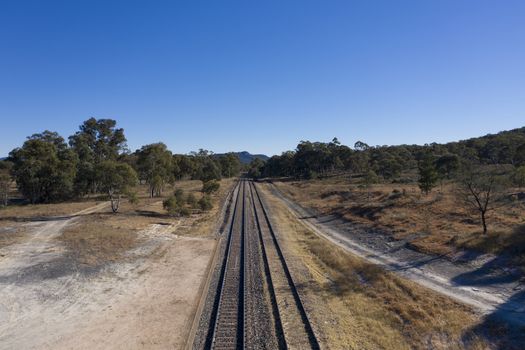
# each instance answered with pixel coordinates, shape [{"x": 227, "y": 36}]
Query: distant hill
[{"x": 246, "y": 157}]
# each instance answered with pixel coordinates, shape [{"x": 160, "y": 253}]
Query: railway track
[{"x": 247, "y": 312}]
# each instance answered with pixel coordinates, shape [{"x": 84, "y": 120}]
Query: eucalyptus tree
[
  {"x": 115, "y": 179},
  {"x": 97, "y": 140},
  {"x": 44, "y": 168},
  {"x": 155, "y": 166}
]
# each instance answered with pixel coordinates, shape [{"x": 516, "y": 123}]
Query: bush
[
  {"x": 209, "y": 187},
  {"x": 183, "y": 211},
  {"x": 205, "y": 203},
  {"x": 179, "y": 195},
  {"x": 174, "y": 207},
  {"x": 192, "y": 201},
  {"x": 171, "y": 205},
  {"x": 133, "y": 198}
]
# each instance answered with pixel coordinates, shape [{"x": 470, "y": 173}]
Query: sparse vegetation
[
  {"x": 376, "y": 309},
  {"x": 438, "y": 223},
  {"x": 205, "y": 203},
  {"x": 209, "y": 187}
]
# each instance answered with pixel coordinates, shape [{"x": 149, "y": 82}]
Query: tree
[
  {"x": 155, "y": 166},
  {"x": 230, "y": 165},
  {"x": 447, "y": 165},
  {"x": 428, "y": 175},
  {"x": 95, "y": 142},
  {"x": 519, "y": 157},
  {"x": 209, "y": 170},
  {"x": 44, "y": 168},
  {"x": 255, "y": 168},
  {"x": 5, "y": 181},
  {"x": 518, "y": 177},
  {"x": 480, "y": 190},
  {"x": 115, "y": 179},
  {"x": 369, "y": 179}
]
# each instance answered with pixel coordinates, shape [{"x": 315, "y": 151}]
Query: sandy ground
[
  {"x": 491, "y": 291},
  {"x": 146, "y": 301}
]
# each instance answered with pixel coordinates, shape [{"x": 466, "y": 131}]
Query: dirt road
[
  {"x": 144, "y": 301},
  {"x": 481, "y": 282}
]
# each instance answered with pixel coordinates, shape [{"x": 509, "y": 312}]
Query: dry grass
[
  {"x": 437, "y": 223},
  {"x": 32, "y": 211},
  {"x": 100, "y": 238},
  {"x": 11, "y": 235},
  {"x": 97, "y": 242},
  {"x": 376, "y": 309},
  {"x": 204, "y": 224}
]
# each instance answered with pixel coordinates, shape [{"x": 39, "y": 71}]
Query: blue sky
[{"x": 262, "y": 75}]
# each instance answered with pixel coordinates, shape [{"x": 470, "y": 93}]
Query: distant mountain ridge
[{"x": 246, "y": 157}]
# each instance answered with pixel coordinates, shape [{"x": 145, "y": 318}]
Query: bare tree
[{"x": 480, "y": 189}]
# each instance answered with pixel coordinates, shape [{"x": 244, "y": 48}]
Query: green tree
[
  {"x": 230, "y": 165},
  {"x": 255, "y": 168},
  {"x": 428, "y": 175},
  {"x": 518, "y": 177},
  {"x": 44, "y": 168},
  {"x": 5, "y": 181},
  {"x": 95, "y": 142},
  {"x": 155, "y": 166},
  {"x": 115, "y": 179},
  {"x": 447, "y": 165},
  {"x": 519, "y": 157},
  {"x": 369, "y": 179}
]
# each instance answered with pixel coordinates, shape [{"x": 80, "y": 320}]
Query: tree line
[
  {"x": 481, "y": 167},
  {"x": 96, "y": 160},
  {"x": 318, "y": 159}
]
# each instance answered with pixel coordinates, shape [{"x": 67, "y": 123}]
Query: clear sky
[{"x": 262, "y": 75}]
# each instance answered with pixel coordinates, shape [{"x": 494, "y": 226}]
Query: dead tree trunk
[{"x": 115, "y": 201}]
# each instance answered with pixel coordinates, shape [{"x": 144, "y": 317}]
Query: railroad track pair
[{"x": 246, "y": 304}]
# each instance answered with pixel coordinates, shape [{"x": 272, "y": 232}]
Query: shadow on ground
[{"x": 505, "y": 326}]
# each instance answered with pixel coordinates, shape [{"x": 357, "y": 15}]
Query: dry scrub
[
  {"x": 438, "y": 223},
  {"x": 35, "y": 211},
  {"x": 358, "y": 305},
  {"x": 100, "y": 238},
  {"x": 97, "y": 242}
]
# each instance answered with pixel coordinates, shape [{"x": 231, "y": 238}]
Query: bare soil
[{"x": 94, "y": 280}]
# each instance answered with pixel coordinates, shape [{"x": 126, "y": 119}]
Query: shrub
[
  {"x": 183, "y": 211},
  {"x": 133, "y": 198},
  {"x": 209, "y": 187},
  {"x": 191, "y": 201},
  {"x": 205, "y": 203},
  {"x": 171, "y": 205},
  {"x": 179, "y": 195}
]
